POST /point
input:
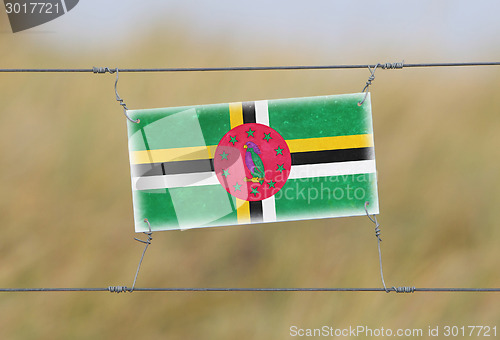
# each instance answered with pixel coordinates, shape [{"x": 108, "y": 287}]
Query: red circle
[{"x": 258, "y": 171}]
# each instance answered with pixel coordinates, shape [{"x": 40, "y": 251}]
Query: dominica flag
[{"x": 252, "y": 162}]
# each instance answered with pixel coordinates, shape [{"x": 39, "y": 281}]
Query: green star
[
  {"x": 280, "y": 167},
  {"x": 279, "y": 151},
  {"x": 272, "y": 184},
  {"x": 250, "y": 132},
  {"x": 254, "y": 191},
  {"x": 237, "y": 187},
  {"x": 225, "y": 173},
  {"x": 267, "y": 136},
  {"x": 233, "y": 140},
  {"x": 224, "y": 155}
]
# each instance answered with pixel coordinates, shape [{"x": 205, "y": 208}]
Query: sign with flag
[{"x": 252, "y": 162}]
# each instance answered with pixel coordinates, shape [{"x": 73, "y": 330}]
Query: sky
[{"x": 454, "y": 30}]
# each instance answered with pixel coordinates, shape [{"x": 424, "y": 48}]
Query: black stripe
[
  {"x": 172, "y": 168},
  {"x": 298, "y": 158},
  {"x": 332, "y": 156},
  {"x": 256, "y": 211},
  {"x": 249, "y": 112}
]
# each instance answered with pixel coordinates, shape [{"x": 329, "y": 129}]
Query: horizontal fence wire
[
  {"x": 248, "y": 68},
  {"x": 120, "y": 289}
]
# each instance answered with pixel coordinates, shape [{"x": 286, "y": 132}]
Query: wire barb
[
  {"x": 119, "y": 289},
  {"x": 250, "y": 68}
]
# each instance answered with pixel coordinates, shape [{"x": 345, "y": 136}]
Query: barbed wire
[
  {"x": 397, "y": 65},
  {"x": 120, "y": 289}
]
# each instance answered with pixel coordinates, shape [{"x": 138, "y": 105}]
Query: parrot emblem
[{"x": 254, "y": 163}]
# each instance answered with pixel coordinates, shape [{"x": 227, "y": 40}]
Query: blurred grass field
[{"x": 66, "y": 208}]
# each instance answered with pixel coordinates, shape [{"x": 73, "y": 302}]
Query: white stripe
[
  {"x": 174, "y": 181},
  {"x": 64, "y": 6},
  {"x": 261, "y": 112},
  {"x": 297, "y": 171},
  {"x": 332, "y": 169},
  {"x": 269, "y": 209}
]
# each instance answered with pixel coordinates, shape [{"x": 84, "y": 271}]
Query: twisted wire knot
[
  {"x": 392, "y": 66},
  {"x": 385, "y": 66},
  {"x": 378, "y": 232},
  {"x": 147, "y": 233},
  {"x": 120, "y": 100},
  {"x": 118, "y": 289},
  {"x": 403, "y": 289},
  {"x": 103, "y": 70},
  {"x": 374, "y": 221},
  {"x": 369, "y": 81}
]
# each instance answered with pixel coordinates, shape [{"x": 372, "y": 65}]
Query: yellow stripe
[
  {"x": 206, "y": 152},
  {"x": 175, "y": 154},
  {"x": 243, "y": 211},
  {"x": 236, "y": 114},
  {"x": 330, "y": 143}
]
